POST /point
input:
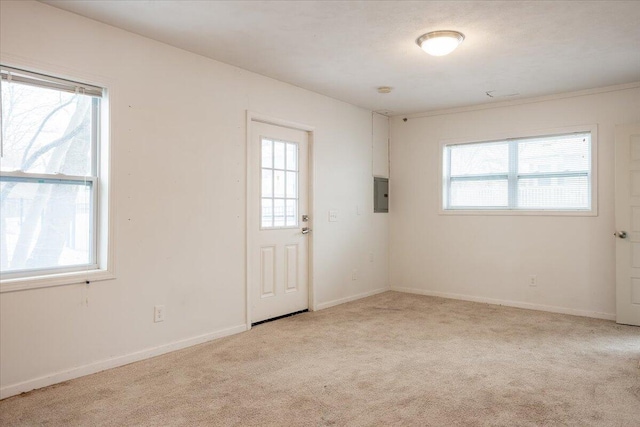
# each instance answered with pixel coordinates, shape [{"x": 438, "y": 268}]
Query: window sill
[
  {"x": 513, "y": 212},
  {"x": 52, "y": 280}
]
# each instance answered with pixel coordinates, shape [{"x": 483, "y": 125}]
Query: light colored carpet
[{"x": 391, "y": 359}]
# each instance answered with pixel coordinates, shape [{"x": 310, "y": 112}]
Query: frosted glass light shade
[{"x": 440, "y": 43}]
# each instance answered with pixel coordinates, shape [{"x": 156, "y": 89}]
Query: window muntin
[
  {"x": 49, "y": 176},
  {"x": 279, "y": 184},
  {"x": 546, "y": 173}
]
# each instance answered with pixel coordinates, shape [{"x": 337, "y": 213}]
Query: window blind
[{"x": 41, "y": 80}]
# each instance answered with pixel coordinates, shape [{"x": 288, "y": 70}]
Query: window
[
  {"x": 49, "y": 175},
  {"x": 279, "y": 184},
  {"x": 545, "y": 173}
]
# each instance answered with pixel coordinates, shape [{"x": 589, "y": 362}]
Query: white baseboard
[
  {"x": 525, "y": 305},
  {"x": 114, "y": 362},
  {"x": 92, "y": 368},
  {"x": 335, "y": 302}
]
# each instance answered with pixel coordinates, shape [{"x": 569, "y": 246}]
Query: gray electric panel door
[{"x": 380, "y": 194}]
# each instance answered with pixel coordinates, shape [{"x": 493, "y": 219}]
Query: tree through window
[{"x": 48, "y": 174}]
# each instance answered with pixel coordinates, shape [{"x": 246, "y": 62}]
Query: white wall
[
  {"x": 178, "y": 147},
  {"x": 380, "y": 140},
  {"x": 489, "y": 258}
]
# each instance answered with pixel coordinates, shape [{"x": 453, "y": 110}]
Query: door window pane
[
  {"x": 292, "y": 157},
  {"x": 278, "y": 155},
  {"x": 267, "y": 183},
  {"x": 267, "y": 153},
  {"x": 279, "y": 184},
  {"x": 267, "y": 213},
  {"x": 292, "y": 212},
  {"x": 278, "y": 213},
  {"x": 292, "y": 185}
]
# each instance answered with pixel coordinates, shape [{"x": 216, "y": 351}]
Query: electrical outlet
[
  {"x": 533, "y": 280},
  {"x": 370, "y": 256},
  {"x": 354, "y": 274},
  {"x": 333, "y": 216},
  {"x": 158, "y": 313}
]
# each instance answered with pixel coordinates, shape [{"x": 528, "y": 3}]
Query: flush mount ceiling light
[{"x": 440, "y": 43}]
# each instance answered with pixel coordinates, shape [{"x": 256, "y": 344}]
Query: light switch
[{"x": 333, "y": 216}]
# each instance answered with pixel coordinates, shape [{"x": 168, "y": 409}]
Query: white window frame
[
  {"x": 102, "y": 267},
  {"x": 443, "y": 179}
]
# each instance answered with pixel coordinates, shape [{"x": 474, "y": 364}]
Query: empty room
[{"x": 347, "y": 213}]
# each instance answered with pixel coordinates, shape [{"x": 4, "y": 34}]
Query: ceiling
[{"x": 347, "y": 49}]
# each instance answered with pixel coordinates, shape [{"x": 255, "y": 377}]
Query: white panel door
[
  {"x": 628, "y": 224},
  {"x": 278, "y": 200}
]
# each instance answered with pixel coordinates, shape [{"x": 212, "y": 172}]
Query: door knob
[
  {"x": 621, "y": 234},
  {"x": 305, "y": 230}
]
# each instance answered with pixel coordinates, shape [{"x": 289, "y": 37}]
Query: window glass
[
  {"x": 278, "y": 155},
  {"x": 292, "y": 157},
  {"x": 279, "y": 184},
  {"x": 59, "y": 235},
  {"x": 542, "y": 173},
  {"x": 267, "y": 213},
  {"x": 485, "y": 193},
  {"x": 267, "y": 183},
  {"x": 571, "y": 192},
  {"x": 45, "y": 130},
  {"x": 479, "y": 159},
  {"x": 278, "y": 213},
  {"x": 292, "y": 185},
  {"x": 563, "y": 154},
  {"x": 267, "y": 153},
  {"x": 48, "y": 176},
  {"x": 292, "y": 212}
]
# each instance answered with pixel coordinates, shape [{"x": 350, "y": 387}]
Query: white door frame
[{"x": 261, "y": 118}]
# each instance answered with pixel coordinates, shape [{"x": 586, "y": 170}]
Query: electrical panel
[{"x": 380, "y": 194}]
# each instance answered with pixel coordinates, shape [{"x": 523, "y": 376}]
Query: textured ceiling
[{"x": 347, "y": 49}]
